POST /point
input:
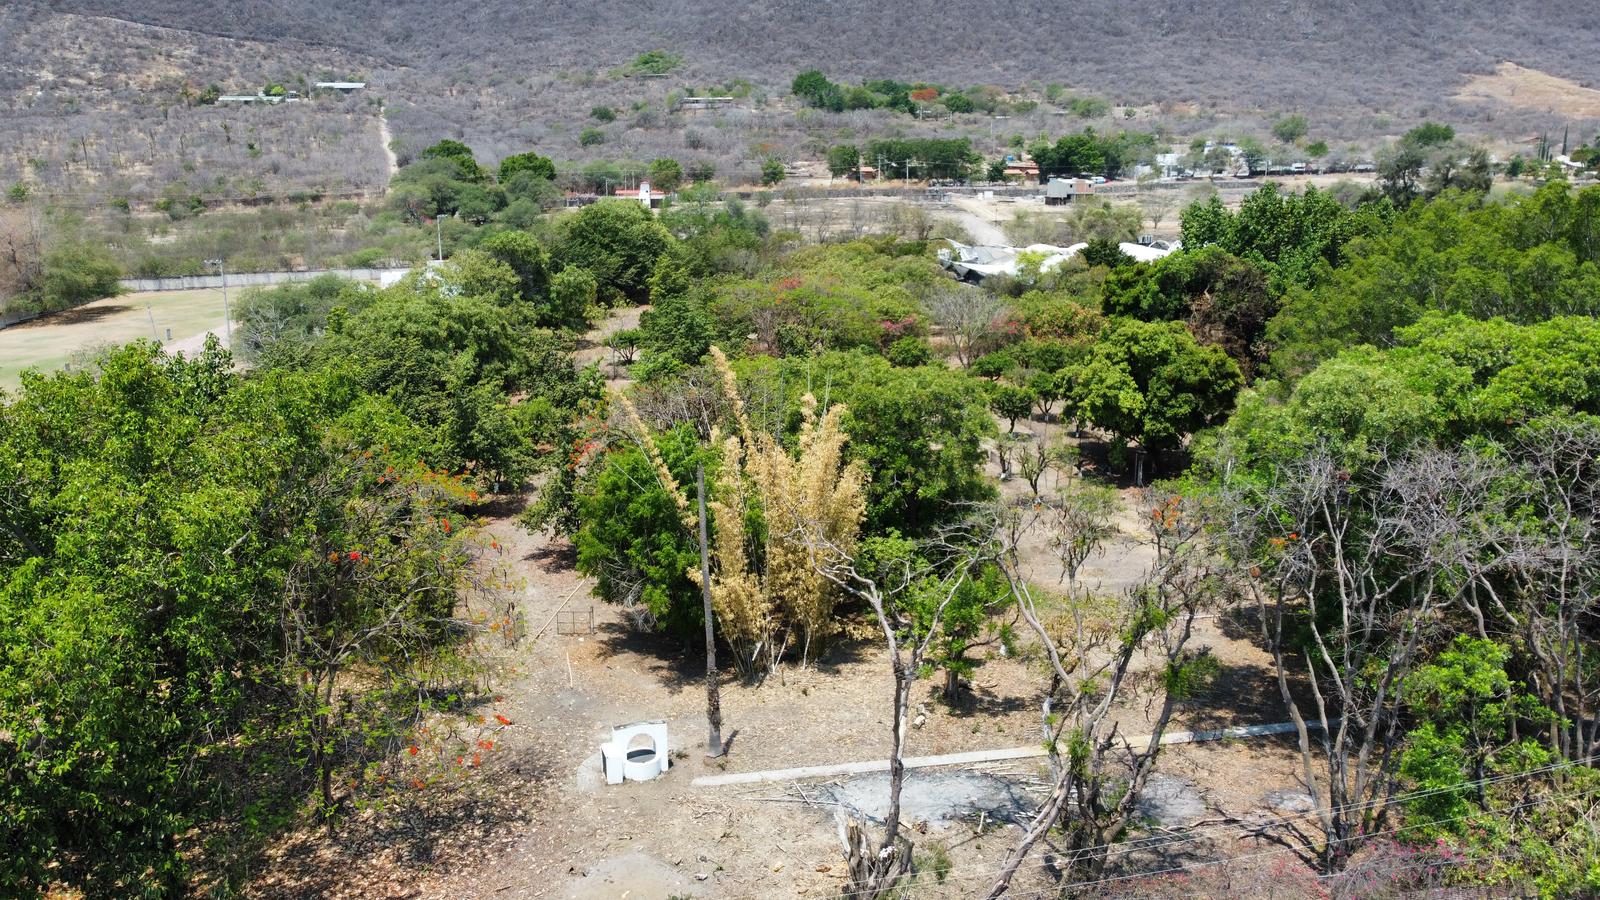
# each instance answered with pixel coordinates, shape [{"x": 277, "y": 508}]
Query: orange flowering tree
[
  {"x": 215, "y": 591},
  {"x": 377, "y": 609}
]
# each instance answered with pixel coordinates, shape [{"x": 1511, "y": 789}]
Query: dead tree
[
  {"x": 1099, "y": 775},
  {"x": 1352, "y": 570},
  {"x": 1078, "y": 523},
  {"x": 1549, "y": 592},
  {"x": 965, "y": 316}
]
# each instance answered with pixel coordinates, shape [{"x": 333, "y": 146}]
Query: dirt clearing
[{"x": 1531, "y": 89}]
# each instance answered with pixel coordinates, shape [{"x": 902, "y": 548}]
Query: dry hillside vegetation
[
  {"x": 511, "y": 78},
  {"x": 98, "y": 105}
]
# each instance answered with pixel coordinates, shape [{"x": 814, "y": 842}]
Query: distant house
[
  {"x": 1170, "y": 165},
  {"x": 694, "y": 103},
  {"x": 643, "y": 194},
  {"x": 1063, "y": 191},
  {"x": 862, "y": 173},
  {"x": 343, "y": 87},
  {"x": 285, "y": 97},
  {"x": 1021, "y": 169}
]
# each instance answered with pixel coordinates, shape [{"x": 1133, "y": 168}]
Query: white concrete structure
[{"x": 636, "y": 752}]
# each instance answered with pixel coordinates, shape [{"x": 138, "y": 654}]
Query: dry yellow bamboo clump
[{"x": 766, "y": 597}]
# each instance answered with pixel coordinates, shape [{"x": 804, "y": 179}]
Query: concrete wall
[
  {"x": 12, "y": 318},
  {"x": 256, "y": 279}
]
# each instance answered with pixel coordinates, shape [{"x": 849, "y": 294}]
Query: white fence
[{"x": 257, "y": 279}]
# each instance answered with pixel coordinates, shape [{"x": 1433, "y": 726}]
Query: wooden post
[{"x": 714, "y": 747}]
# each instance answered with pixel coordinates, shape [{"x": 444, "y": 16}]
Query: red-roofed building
[{"x": 1022, "y": 170}]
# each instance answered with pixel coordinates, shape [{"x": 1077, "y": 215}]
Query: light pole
[
  {"x": 991, "y": 127},
  {"x": 227, "y": 320}
]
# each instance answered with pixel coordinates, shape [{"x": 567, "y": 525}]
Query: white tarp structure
[{"x": 977, "y": 263}]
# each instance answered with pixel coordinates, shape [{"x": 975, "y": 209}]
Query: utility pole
[
  {"x": 227, "y": 318},
  {"x": 438, "y": 235},
  {"x": 991, "y": 127},
  {"x": 714, "y": 748}
]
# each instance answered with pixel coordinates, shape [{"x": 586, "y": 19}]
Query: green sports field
[{"x": 49, "y": 343}]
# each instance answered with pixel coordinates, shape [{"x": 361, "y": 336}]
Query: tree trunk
[{"x": 714, "y": 747}]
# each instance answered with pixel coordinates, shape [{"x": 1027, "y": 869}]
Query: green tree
[
  {"x": 573, "y": 291},
  {"x": 815, "y": 88},
  {"x": 532, "y": 163},
  {"x": 677, "y": 330},
  {"x": 277, "y": 326},
  {"x": 1226, "y": 301},
  {"x": 1526, "y": 259},
  {"x": 1103, "y": 251},
  {"x": 666, "y": 174},
  {"x": 843, "y": 159},
  {"x": 1011, "y": 403},
  {"x": 452, "y": 363},
  {"x": 633, "y": 539},
  {"x": 477, "y": 274},
  {"x": 1467, "y": 707},
  {"x": 461, "y": 155},
  {"x": 772, "y": 171},
  {"x": 654, "y": 62},
  {"x": 1295, "y": 238},
  {"x": 1429, "y": 134},
  {"x": 75, "y": 274},
  {"x": 167, "y": 529},
  {"x": 530, "y": 263},
  {"x": 1400, "y": 172},
  {"x": 958, "y": 103},
  {"x": 919, "y": 432},
  {"x": 1152, "y": 383},
  {"x": 618, "y": 242},
  {"x": 910, "y": 351},
  {"x": 1290, "y": 128}
]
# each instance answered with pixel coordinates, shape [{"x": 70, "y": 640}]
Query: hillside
[
  {"x": 1258, "y": 52},
  {"x": 508, "y": 76}
]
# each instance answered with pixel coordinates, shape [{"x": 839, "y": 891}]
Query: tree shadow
[
  {"x": 554, "y": 557},
  {"x": 681, "y": 665},
  {"x": 416, "y": 831},
  {"x": 502, "y": 505},
  {"x": 975, "y": 700},
  {"x": 75, "y": 316},
  {"x": 1240, "y": 694},
  {"x": 668, "y": 659},
  {"x": 1094, "y": 462},
  {"x": 1242, "y": 623}
]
